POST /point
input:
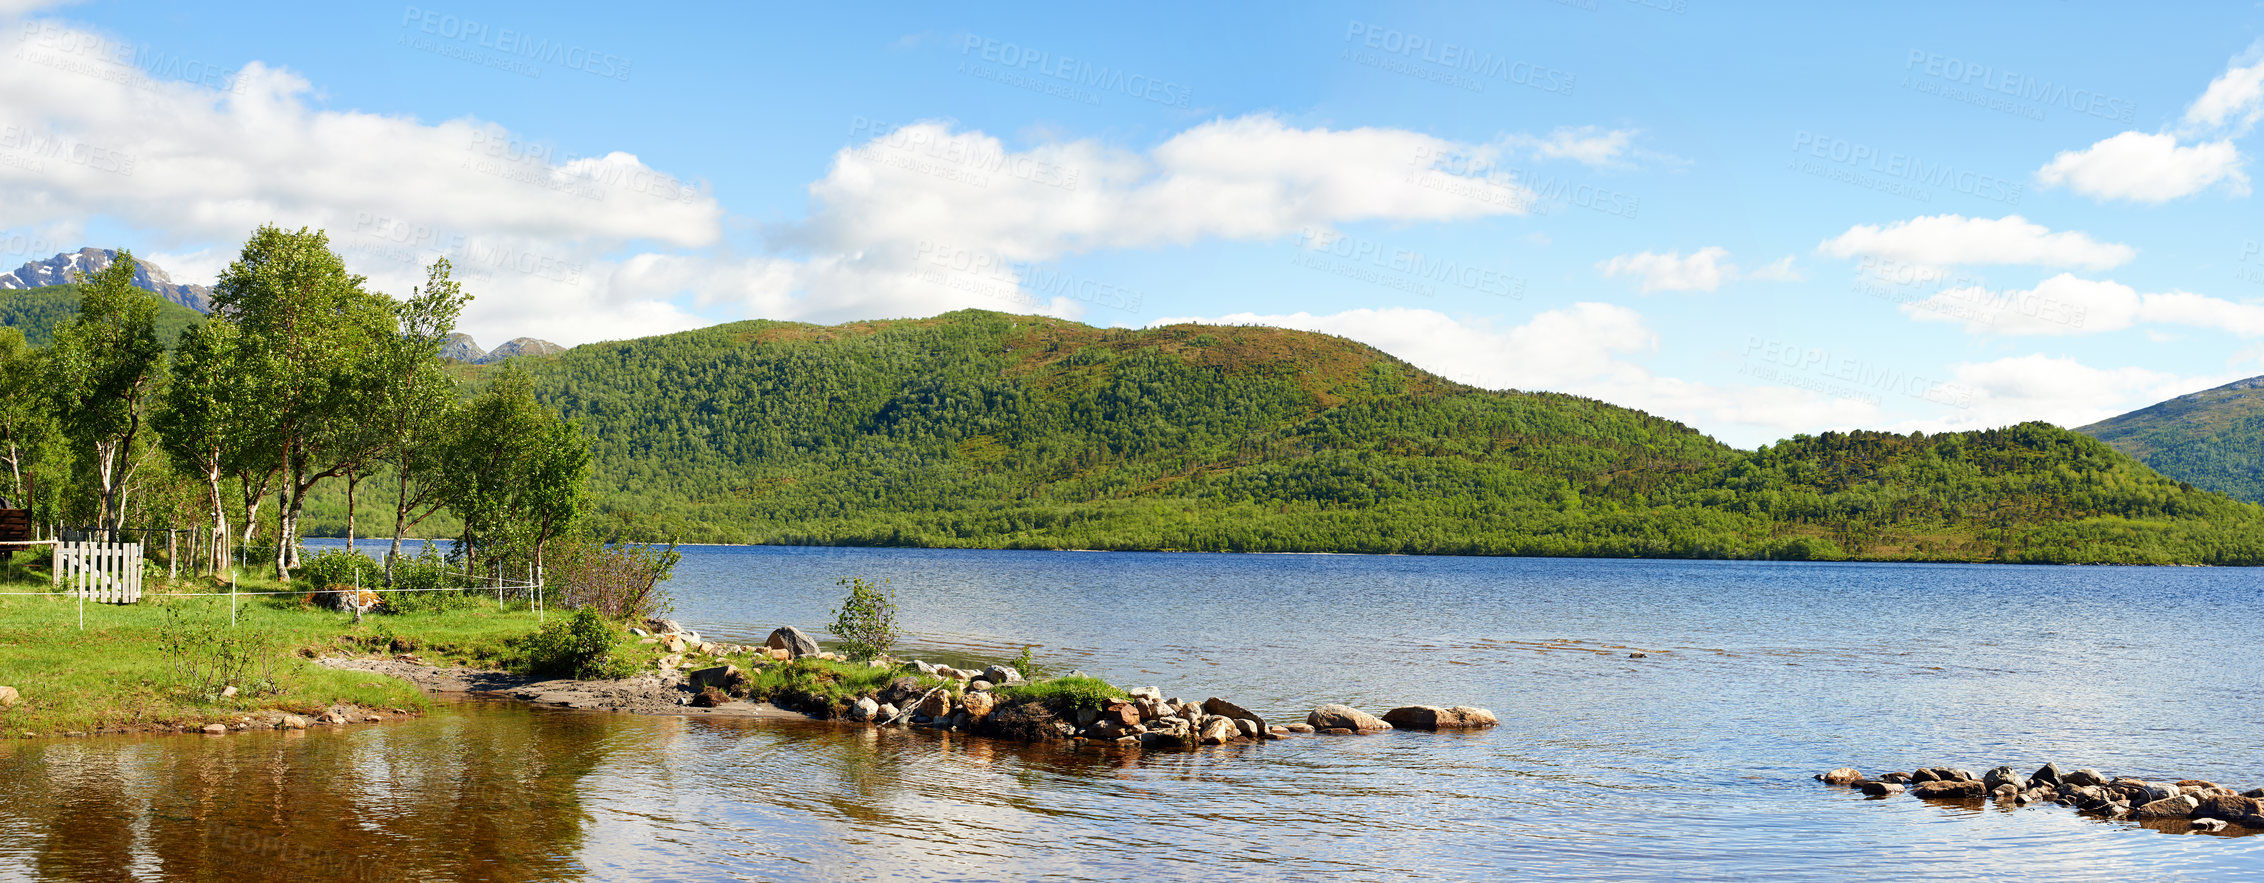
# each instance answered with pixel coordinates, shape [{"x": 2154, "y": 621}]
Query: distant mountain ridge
[
  {"x": 2212, "y": 439},
  {"x": 65, "y": 267},
  {"x": 461, "y": 347}
]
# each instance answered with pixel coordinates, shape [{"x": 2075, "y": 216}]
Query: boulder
[
  {"x": 2049, "y": 774},
  {"x": 902, "y": 691},
  {"x": 1923, "y": 776},
  {"x": 9, "y": 697},
  {"x": 979, "y": 705},
  {"x": 1219, "y": 731},
  {"x": 887, "y": 712},
  {"x": 1297, "y": 728},
  {"x": 864, "y": 709},
  {"x": 1223, "y": 708},
  {"x": 937, "y": 704},
  {"x": 1842, "y": 776},
  {"x": 722, "y": 677},
  {"x": 1899, "y": 778},
  {"x": 291, "y": 722},
  {"x": 1881, "y": 789},
  {"x": 710, "y": 698},
  {"x": 1345, "y": 717},
  {"x": 1003, "y": 675},
  {"x": 2003, "y": 776},
  {"x": 1948, "y": 789},
  {"x": 924, "y": 667},
  {"x": 2084, "y": 776},
  {"x": 216, "y": 729},
  {"x": 2226, "y": 807},
  {"x": 1432, "y": 717},
  {"x": 2179, "y": 807},
  {"x": 672, "y": 644},
  {"x": 980, "y": 685},
  {"x": 1125, "y": 714},
  {"x": 1250, "y": 729},
  {"x": 793, "y": 641},
  {"x": 1150, "y": 693}
]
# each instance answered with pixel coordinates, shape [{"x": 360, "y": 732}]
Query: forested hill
[
  {"x": 2213, "y": 439},
  {"x": 982, "y": 429},
  {"x": 37, "y": 311}
]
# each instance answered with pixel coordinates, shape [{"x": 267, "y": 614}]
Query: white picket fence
[{"x": 107, "y": 572}]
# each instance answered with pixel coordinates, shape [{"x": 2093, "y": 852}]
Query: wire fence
[{"x": 531, "y": 588}]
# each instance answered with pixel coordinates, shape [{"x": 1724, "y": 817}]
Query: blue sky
[{"x": 1757, "y": 220}]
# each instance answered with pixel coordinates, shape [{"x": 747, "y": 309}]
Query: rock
[
  {"x": 2179, "y": 807},
  {"x": 1002, "y": 674},
  {"x": 216, "y": 729},
  {"x": 862, "y": 710},
  {"x": 924, "y": 667},
  {"x": 2003, "y": 776},
  {"x": 722, "y": 677},
  {"x": 1223, "y": 708},
  {"x": 887, "y": 712},
  {"x": 2254, "y": 821},
  {"x": 791, "y": 640},
  {"x": 2253, "y": 792},
  {"x": 1250, "y": 729},
  {"x": 2048, "y": 775},
  {"x": 1842, "y": 776},
  {"x": 2084, "y": 776},
  {"x": 979, "y": 705},
  {"x": 639, "y": 632},
  {"x": 9, "y": 697},
  {"x": 1150, "y": 693},
  {"x": 1125, "y": 714},
  {"x": 1923, "y": 776},
  {"x": 1220, "y": 731},
  {"x": 670, "y": 663},
  {"x": 292, "y": 722},
  {"x": 1949, "y": 789},
  {"x": 1881, "y": 789},
  {"x": 228, "y": 693},
  {"x": 1899, "y": 778},
  {"x": 1429, "y": 716},
  {"x": 2157, "y": 791},
  {"x": 1957, "y": 775},
  {"x": 979, "y": 685},
  {"x": 1162, "y": 739},
  {"x": 2226, "y": 807},
  {"x": 672, "y": 644},
  {"x": 2209, "y": 825},
  {"x": 902, "y": 691},
  {"x": 2191, "y": 785},
  {"x": 710, "y": 698},
  {"x": 1297, "y": 728},
  {"x": 1345, "y": 717},
  {"x": 937, "y": 704}
]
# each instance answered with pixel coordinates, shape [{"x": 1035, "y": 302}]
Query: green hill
[
  {"x": 39, "y": 310},
  {"x": 982, "y": 429},
  {"x": 2213, "y": 439}
]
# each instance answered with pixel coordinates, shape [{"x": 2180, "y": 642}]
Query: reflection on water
[{"x": 1687, "y": 764}]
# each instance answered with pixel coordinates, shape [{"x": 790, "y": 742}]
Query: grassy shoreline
[{"x": 117, "y": 676}]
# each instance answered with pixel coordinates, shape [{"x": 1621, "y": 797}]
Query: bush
[
  {"x": 1066, "y": 694},
  {"x": 621, "y": 580},
  {"x": 208, "y": 658},
  {"x": 338, "y": 567},
  {"x": 584, "y": 646},
  {"x": 866, "y": 620},
  {"x": 414, "y": 582}
]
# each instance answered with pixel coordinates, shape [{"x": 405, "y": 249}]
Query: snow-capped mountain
[{"x": 67, "y": 266}]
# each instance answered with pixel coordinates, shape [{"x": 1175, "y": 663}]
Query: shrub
[
  {"x": 415, "y": 580},
  {"x": 338, "y": 567},
  {"x": 1066, "y": 694},
  {"x": 621, "y": 580},
  {"x": 208, "y": 658},
  {"x": 866, "y": 620},
  {"x": 584, "y": 646}
]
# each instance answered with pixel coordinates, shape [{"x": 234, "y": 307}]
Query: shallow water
[{"x": 1692, "y": 763}]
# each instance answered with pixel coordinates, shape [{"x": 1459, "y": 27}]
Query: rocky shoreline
[
  {"x": 697, "y": 678},
  {"x": 2189, "y": 804}
]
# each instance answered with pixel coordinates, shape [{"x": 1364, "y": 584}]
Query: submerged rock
[
  {"x": 1432, "y": 717},
  {"x": 1881, "y": 789},
  {"x": 2179, "y": 807},
  {"x": 1223, "y": 708},
  {"x": 864, "y": 709},
  {"x": 1842, "y": 776},
  {"x": 2003, "y": 776},
  {"x": 1950, "y": 789},
  {"x": 1345, "y": 717}
]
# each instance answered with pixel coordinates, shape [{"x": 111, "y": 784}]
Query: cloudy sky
[{"x": 1758, "y": 222}]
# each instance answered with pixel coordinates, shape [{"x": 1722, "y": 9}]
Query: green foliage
[
  {"x": 585, "y": 646},
  {"x": 417, "y": 583},
  {"x": 866, "y": 620},
  {"x": 2213, "y": 439},
  {"x": 208, "y": 657},
  {"x": 338, "y": 567},
  {"x": 1065, "y": 694},
  {"x": 818, "y": 685},
  {"x": 100, "y": 368},
  {"x": 38, "y": 312},
  {"x": 1026, "y": 664},
  {"x": 518, "y": 473}
]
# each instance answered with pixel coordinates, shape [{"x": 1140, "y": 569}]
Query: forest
[
  {"x": 979, "y": 429},
  {"x": 119, "y": 417}
]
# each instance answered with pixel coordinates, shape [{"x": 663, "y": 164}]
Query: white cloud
[
  {"x": 1947, "y": 240},
  {"x": 2155, "y": 168},
  {"x": 1702, "y": 270},
  {"x": 2139, "y": 167},
  {"x": 1587, "y": 145},
  {"x": 2067, "y": 305},
  {"x": 2235, "y": 99},
  {"x": 1582, "y": 349},
  {"x": 2054, "y": 389}
]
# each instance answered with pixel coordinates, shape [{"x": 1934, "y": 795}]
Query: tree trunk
[
  {"x": 214, "y": 559},
  {"x": 353, "y": 479}
]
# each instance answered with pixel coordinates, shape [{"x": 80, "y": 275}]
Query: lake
[{"x": 1690, "y": 763}]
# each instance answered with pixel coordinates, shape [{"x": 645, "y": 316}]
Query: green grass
[
  {"x": 812, "y": 684},
  {"x": 1065, "y": 694},
  {"x": 116, "y": 675}
]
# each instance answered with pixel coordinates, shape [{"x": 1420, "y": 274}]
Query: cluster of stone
[{"x": 2202, "y": 804}]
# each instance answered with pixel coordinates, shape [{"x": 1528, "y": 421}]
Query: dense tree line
[
  {"x": 302, "y": 382},
  {"x": 981, "y": 429}
]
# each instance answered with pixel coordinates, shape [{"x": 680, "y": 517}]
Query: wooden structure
[
  {"x": 108, "y": 572},
  {"x": 15, "y": 532}
]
